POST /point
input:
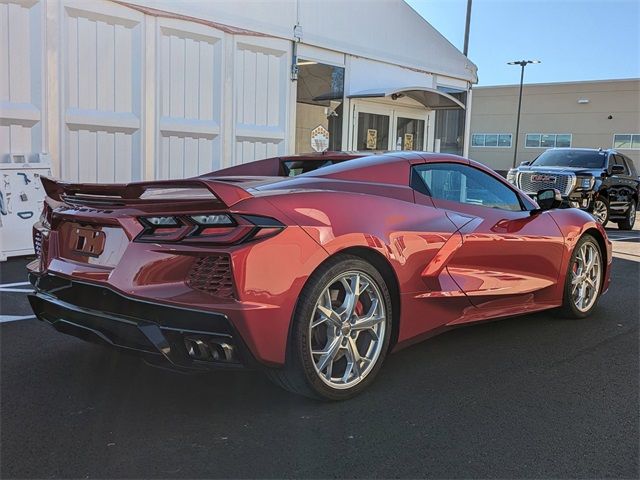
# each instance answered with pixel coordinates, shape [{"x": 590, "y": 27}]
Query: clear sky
[{"x": 574, "y": 39}]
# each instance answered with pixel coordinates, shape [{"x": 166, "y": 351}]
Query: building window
[
  {"x": 497, "y": 140},
  {"x": 630, "y": 141},
  {"x": 319, "y": 106},
  {"x": 547, "y": 140}
]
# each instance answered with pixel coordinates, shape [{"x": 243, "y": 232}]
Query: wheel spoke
[
  {"x": 355, "y": 357},
  {"x": 370, "y": 320},
  {"x": 328, "y": 353},
  {"x": 327, "y": 311},
  {"x": 583, "y": 294},
  {"x": 349, "y": 303}
]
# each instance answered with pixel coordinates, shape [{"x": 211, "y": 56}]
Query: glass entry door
[
  {"x": 380, "y": 127},
  {"x": 373, "y": 131},
  {"x": 409, "y": 133}
]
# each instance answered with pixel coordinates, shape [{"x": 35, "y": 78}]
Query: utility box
[{"x": 21, "y": 201}]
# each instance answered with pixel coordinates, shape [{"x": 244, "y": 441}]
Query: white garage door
[
  {"x": 132, "y": 96},
  {"x": 21, "y": 86}
]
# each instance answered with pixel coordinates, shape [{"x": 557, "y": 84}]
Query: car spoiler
[{"x": 154, "y": 192}]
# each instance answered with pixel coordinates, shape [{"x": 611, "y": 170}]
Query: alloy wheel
[
  {"x": 600, "y": 211},
  {"x": 586, "y": 275},
  {"x": 347, "y": 330}
]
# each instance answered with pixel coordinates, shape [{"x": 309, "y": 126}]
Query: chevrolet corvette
[{"x": 311, "y": 268}]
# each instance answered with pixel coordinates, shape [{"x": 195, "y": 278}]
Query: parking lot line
[
  {"x": 624, "y": 238},
  {"x": 13, "y": 318},
  {"x": 18, "y": 284}
]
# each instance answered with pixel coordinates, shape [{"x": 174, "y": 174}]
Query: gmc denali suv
[{"x": 602, "y": 182}]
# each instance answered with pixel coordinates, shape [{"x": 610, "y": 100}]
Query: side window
[
  {"x": 464, "y": 184},
  {"x": 620, "y": 161},
  {"x": 630, "y": 166}
]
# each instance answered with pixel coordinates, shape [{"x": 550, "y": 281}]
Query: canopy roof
[{"x": 429, "y": 97}]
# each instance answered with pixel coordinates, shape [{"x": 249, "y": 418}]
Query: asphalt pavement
[{"x": 529, "y": 397}]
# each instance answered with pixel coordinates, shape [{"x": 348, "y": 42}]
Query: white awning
[{"x": 429, "y": 97}]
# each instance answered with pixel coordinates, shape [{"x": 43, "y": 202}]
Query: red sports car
[{"x": 311, "y": 268}]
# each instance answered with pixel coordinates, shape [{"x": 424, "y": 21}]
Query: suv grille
[
  {"x": 212, "y": 275},
  {"x": 533, "y": 182}
]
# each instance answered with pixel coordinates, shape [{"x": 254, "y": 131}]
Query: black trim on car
[{"x": 155, "y": 331}]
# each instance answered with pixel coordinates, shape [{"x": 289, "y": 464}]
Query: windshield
[{"x": 571, "y": 158}]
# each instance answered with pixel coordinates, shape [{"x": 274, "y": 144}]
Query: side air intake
[{"x": 212, "y": 275}]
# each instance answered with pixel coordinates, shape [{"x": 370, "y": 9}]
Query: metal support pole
[
  {"x": 467, "y": 25},
  {"x": 515, "y": 150}
]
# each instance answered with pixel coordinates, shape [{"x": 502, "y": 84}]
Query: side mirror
[
  {"x": 617, "y": 169},
  {"x": 548, "y": 199}
]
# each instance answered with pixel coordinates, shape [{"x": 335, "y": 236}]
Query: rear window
[
  {"x": 293, "y": 168},
  {"x": 571, "y": 158}
]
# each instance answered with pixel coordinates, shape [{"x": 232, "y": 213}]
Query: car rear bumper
[{"x": 178, "y": 338}]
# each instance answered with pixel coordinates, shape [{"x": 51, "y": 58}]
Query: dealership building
[{"x": 595, "y": 114}]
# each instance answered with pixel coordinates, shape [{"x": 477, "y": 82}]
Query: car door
[
  {"x": 621, "y": 186},
  {"x": 634, "y": 179},
  {"x": 509, "y": 260}
]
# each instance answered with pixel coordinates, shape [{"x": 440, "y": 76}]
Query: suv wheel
[
  {"x": 630, "y": 219},
  {"x": 601, "y": 211}
]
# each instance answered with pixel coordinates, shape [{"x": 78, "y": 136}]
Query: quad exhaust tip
[{"x": 210, "y": 349}]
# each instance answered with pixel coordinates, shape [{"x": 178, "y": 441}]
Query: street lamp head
[{"x": 522, "y": 63}]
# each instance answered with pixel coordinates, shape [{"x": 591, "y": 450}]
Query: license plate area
[
  {"x": 88, "y": 241},
  {"x": 101, "y": 245}
]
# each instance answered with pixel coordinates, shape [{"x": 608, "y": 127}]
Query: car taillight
[{"x": 211, "y": 229}]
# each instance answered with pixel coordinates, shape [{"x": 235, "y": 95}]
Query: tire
[
  {"x": 571, "y": 308},
  {"x": 630, "y": 218},
  {"x": 320, "y": 323},
  {"x": 601, "y": 210}
]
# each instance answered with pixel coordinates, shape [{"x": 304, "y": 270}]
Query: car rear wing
[{"x": 145, "y": 193}]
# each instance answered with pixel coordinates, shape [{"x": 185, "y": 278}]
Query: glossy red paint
[{"x": 451, "y": 263}]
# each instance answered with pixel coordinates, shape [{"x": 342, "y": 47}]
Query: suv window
[
  {"x": 564, "y": 157},
  {"x": 464, "y": 184},
  {"x": 630, "y": 166},
  {"x": 617, "y": 160}
]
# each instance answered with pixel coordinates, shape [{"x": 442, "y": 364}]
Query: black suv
[{"x": 603, "y": 182}]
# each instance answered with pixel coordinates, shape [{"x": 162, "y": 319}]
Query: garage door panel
[
  {"x": 124, "y": 145},
  {"x": 103, "y": 102},
  {"x": 87, "y": 64},
  {"x": 190, "y": 74},
  {"x": 87, "y": 155},
  {"x": 261, "y": 98},
  {"x": 21, "y": 130},
  {"x": 4, "y": 53},
  {"x": 18, "y": 17},
  {"x": 106, "y": 89},
  {"x": 105, "y": 145}
]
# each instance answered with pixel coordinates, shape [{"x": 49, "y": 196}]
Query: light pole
[{"x": 522, "y": 63}]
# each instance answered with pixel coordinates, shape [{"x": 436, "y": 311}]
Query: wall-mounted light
[{"x": 583, "y": 100}]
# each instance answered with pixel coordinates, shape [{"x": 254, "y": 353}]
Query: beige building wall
[{"x": 592, "y": 112}]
